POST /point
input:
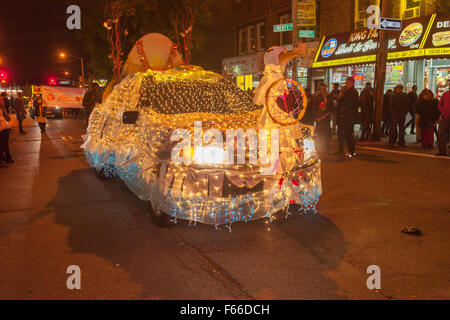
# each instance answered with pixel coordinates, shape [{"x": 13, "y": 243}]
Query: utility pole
[
  {"x": 82, "y": 72},
  {"x": 294, "y": 38},
  {"x": 380, "y": 71}
]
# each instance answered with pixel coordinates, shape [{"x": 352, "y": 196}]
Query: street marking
[{"x": 407, "y": 153}]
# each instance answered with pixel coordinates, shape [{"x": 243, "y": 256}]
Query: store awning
[{"x": 421, "y": 37}]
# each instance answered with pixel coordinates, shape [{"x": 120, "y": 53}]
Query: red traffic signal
[
  {"x": 3, "y": 75},
  {"x": 52, "y": 81}
]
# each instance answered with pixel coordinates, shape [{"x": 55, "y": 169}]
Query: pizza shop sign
[{"x": 359, "y": 42}]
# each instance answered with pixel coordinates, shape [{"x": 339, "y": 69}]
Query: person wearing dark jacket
[
  {"x": 398, "y": 108},
  {"x": 428, "y": 112},
  {"x": 90, "y": 99},
  {"x": 6, "y": 102},
  {"x": 412, "y": 97},
  {"x": 444, "y": 122},
  {"x": 385, "y": 114},
  {"x": 347, "y": 116},
  {"x": 323, "y": 120},
  {"x": 20, "y": 111},
  {"x": 367, "y": 111},
  {"x": 308, "y": 117},
  {"x": 332, "y": 106}
]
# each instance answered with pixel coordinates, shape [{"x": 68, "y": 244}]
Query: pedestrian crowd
[{"x": 337, "y": 112}]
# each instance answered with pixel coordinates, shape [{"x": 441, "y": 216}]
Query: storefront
[
  {"x": 246, "y": 70},
  {"x": 418, "y": 54}
]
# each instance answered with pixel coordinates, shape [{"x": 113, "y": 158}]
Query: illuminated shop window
[{"x": 361, "y": 12}]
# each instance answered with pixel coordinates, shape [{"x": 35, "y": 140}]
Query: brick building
[{"x": 251, "y": 22}]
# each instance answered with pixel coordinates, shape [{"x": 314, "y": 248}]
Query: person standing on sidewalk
[
  {"x": 90, "y": 99},
  {"x": 6, "y": 102},
  {"x": 333, "y": 105},
  {"x": 444, "y": 122},
  {"x": 4, "y": 135},
  {"x": 347, "y": 116},
  {"x": 412, "y": 98},
  {"x": 367, "y": 111},
  {"x": 323, "y": 130},
  {"x": 428, "y": 114},
  {"x": 20, "y": 111},
  {"x": 386, "y": 115},
  {"x": 398, "y": 108}
]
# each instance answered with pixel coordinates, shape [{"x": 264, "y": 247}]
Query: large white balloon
[{"x": 153, "y": 51}]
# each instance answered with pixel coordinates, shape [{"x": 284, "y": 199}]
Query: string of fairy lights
[{"x": 140, "y": 154}]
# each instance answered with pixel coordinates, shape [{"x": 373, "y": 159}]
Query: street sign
[
  {"x": 390, "y": 24},
  {"x": 306, "y": 33},
  {"x": 283, "y": 27}
]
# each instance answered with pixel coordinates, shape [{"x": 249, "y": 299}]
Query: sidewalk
[
  {"x": 28, "y": 122},
  {"x": 412, "y": 147}
]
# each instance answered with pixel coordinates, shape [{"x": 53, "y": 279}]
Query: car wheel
[
  {"x": 160, "y": 218},
  {"x": 105, "y": 173}
]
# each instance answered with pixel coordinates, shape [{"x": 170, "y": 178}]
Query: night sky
[{"x": 32, "y": 33}]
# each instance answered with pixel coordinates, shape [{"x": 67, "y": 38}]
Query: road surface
[{"x": 54, "y": 213}]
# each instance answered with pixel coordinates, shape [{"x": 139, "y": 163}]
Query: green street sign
[
  {"x": 306, "y": 33},
  {"x": 283, "y": 27}
]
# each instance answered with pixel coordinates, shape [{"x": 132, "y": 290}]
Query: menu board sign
[
  {"x": 306, "y": 13},
  {"x": 439, "y": 35}
]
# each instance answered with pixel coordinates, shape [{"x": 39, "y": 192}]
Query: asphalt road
[{"x": 54, "y": 213}]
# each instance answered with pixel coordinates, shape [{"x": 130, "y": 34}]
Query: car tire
[
  {"x": 161, "y": 219},
  {"x": 102, "y": 174}
]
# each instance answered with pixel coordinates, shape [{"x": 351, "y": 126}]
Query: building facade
[
  {"x": 252, "y": 28},
  {"x": 415, "y": 56}
]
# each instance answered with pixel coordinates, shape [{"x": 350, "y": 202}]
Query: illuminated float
[{"x": 197, "y": 147}]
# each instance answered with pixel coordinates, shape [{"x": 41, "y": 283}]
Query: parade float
[{"x": 198, "y": 148}]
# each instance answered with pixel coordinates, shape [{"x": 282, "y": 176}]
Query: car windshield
[{"x": 193, "y": 90}]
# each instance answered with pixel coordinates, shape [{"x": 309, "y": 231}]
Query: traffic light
[
  {"x": 52, "y": 81},
  {"x": 3, "y": 75}
]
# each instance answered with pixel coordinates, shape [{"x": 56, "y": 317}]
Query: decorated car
[{"x": 200, "y": 149}]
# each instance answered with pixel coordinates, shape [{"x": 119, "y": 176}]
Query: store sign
[
  {"x": 283, "y": 27},
  {"x": 306, "y": 13},
  {"x": 419, "y": 37},
  {"x": 307, "y": 58},
  {"x": 439, "y": 35},
  {"x": 242, "y": 65},
  {"x": 62, "y": 97}
]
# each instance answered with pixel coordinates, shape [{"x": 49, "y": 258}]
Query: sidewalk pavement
[{"x": 28, "y": 122}]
